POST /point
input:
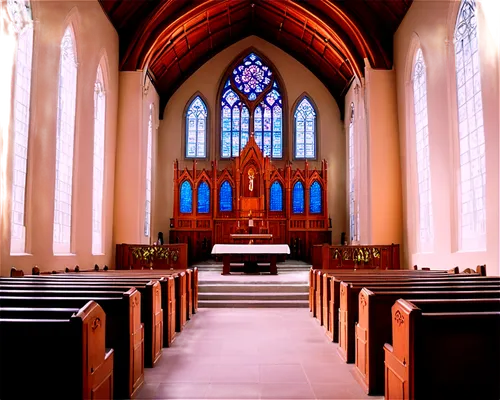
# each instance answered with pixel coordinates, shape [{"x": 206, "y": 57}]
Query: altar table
[{"x": 226, "y": 250}]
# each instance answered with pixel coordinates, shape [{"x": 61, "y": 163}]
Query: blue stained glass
[
  {"x": 226, "y": 197},
  {"x": 276, "y": 197},
  {"x": 315, "y": 198},
  {"x": 186, "y": 197},
  {"x": 203, "y": 198},
  {"x": 305, "y": 130},
  {"x": 298, "y": 198},
  {"x": 252, "y": 77}
]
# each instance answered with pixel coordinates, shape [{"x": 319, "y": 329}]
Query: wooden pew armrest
[{"x": 388, "y": 347}]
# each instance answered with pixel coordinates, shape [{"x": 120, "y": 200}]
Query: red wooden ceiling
[{"x": 173, "y": 38}]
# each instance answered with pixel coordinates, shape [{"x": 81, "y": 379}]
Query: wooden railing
[
  {"x": 356, "y": 257},
  {"x": 141, "y": 256}
]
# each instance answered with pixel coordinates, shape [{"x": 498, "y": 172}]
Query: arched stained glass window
[
  {"x": 203, "y": 198},
  {"x": 315, "y": 198},
  {"x": 98, "y": 164},
  {"x": 65, "y": 137},
  {"x": 149, "y": 173},
  {"x": 251, "y": 90},
  {"x": 20, "y": 15},
  {"x": 276, "y": 197},
  {"x": 298, "y": 198},
  {"x": 305, "y": 129},
  {"x": 196, "y": 129},
  {"x": 353, "y": 202},
  {"x": 472, "y": 189},
  {"x": 186, "y": 203},
  {"x": 226, "y": 197},
  {"x": 425, "y": 225}
]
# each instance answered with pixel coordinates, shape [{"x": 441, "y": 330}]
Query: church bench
[
  {"x": 348, "y": 307},
  {"x": 334, "y": 294},
  {"x": 442, "y": 355},
  {"x": 124, "y": 331},
  {"x": 374, "y": 328},
  {"x": 325, "y": 295},
  {"x": 151, "y": 307},
  {"x": 70, "y": 360}
]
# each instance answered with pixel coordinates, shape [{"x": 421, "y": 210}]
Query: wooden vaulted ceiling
[{"x": 173, "y": 38}]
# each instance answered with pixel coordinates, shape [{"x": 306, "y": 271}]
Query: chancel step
[{"x": 253, "y": 303}]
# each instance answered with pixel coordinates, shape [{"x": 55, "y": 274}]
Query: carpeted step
[
  {"x": 228, "y": 296},
  {"x": 253, "y": 304},
  {"x": 218, "y": 287}
]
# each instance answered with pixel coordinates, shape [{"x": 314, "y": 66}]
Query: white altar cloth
[{"x": 250, "y": 249}]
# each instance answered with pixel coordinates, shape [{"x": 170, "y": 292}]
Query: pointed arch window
[
  {"x": 471, "y": 191},
  {"x": 149, "y": 173},
  {"x": 98, "y": 164},
  {"x": 186, "y": 198},
  {"x": 226, "y": 197},
  {"x": 298, "y": 198},
  {"x": 353, "y": 201},
  {"x": 276, "y": 197},
  {"x": 196, "y": 129},
  {"x": 305, "y": 129},
  {"x": 20, "y": 15},
  {"x": 315, "y": 198},
  {"x": 425, "y": 224},
  {"x": 203, "y": 198},
  {"x": 251, "y": 89},
  {"x": 65, "y": 137}
]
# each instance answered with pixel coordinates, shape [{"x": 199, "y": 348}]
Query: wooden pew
[
  {"x": 69, "y": 359},
  {"x": 124, "y": 331},
  {"x": 348, "y": 310},
  {"x": 374, "y": 328},
  {"x": 333, "y": 302},
  {"x": 442, "y": 355},
  {"x": 151, "y": 307}
]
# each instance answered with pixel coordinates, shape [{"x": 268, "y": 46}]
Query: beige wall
[
  {"x": 430, "y": 24},
  {"x": 297, "y": 80},
  {"x": 95, "y": 39}
]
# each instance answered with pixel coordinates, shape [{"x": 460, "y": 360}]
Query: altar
[
  {"x": 252, "y": 238},
  {"x": 227, "y": 251}
]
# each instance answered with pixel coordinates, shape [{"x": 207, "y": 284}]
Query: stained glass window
[
  {"x": 315, "y": 198},
  {"x": 353, "y": 203},
  {"x": 276, "y": 197},
  {"x": 20, "y": 13},
  {"x": 98, "y": 164},
  {"x": 203, "y": 198},
  {"x": 250, "y": 80},
  {"x": 186, "y": 197},
  {"x": 226, "y": 197},
  {"x": 149, "y": 172},
  {"x": 425, "y": 225},
  {"x": 472, "y": 189},
  {"x": 305, "y": 129},
  {"x": 298, "y": 198},
  {"x": 196, "y": 129},
  {"x": 65, "y": 137}
]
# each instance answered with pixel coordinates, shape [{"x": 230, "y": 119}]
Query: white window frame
[
  {"x": 65, "y": 137},
  {"x": 98, "y": 163}
]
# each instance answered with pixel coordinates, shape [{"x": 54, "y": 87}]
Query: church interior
[{"x": 149, "y": 146}]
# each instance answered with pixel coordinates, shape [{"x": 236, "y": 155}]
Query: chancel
[{"x": 240, "y": 198}]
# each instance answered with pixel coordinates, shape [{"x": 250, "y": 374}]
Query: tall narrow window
[
  {"x": 251, "y": 90},
  {"x": 98, "y": 175},
  {"x": 186, "y": 197},
  {"x": 196, "y": 129},
  {"x": 425, "y": 224},
  {"x": 353, "y": 201},
  {"x": 66, "y": 110},
  {"x": 149, "y": 167},
  {"x": 471, "y": 132},
  {"x": 226, "y": 197},
  {"x": 20, "y": 14},
  {"x": 203, "y": 198},
  {"x": 276, "y": 197},
  {"x": 305, "y": 129},
  {"x": 315, "y": 198},
  {"x": 298, "y": 198}
]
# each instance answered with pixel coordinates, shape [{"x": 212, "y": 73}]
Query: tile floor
[{"x": 251, "y": 354}]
